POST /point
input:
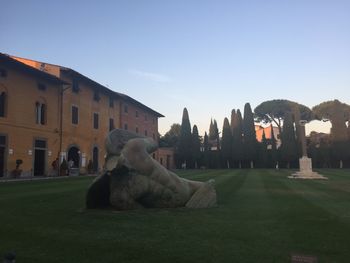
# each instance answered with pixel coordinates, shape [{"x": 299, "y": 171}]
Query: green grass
[{"x": 262, "y": 217}]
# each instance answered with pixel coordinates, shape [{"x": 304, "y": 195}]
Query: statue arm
[{"x": 150, "y": 145}]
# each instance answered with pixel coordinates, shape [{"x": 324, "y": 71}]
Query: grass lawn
[{"x": 262, "y": 217}]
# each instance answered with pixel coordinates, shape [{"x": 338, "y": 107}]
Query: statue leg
[
  {"x": 204, "y": 197},
  {"x": 125, "y": 188}
]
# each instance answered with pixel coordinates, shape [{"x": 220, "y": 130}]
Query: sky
[{"x": 208, "y": 56}]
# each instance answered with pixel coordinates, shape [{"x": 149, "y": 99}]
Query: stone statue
[{"x": 133, "y": 179}]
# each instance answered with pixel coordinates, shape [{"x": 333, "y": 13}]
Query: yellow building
[{"x": 68, "y": 111}]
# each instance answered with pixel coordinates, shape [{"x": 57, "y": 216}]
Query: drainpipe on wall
[
  {"x": 61, "y": 126},
  {"x": 120, "y": 115}
]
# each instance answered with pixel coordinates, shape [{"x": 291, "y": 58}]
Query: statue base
[{"x": 306, "y": 172}]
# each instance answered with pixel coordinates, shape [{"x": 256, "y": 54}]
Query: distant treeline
[{"x": 236, "y": 146}]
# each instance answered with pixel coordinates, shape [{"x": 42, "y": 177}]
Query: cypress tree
[
  {"x": 249, "y": 136},
  {"x": 233, "y": 116},
  {"x": 273, "y": 151},
  {"x": 217, "y": 135},
  {"x": 237, "y": 143},
  {"x": 185, "y": 140},
  {"x": 289, "y": 149},
  {"x": 211, "y": 131},
  {"x": 196, "y": 147},
  {"x": 214, "y": 138},
  {"x": 226, "y": 144},
  {"x": 206, "y": 149},
  {"x": 214, "y": 143}
]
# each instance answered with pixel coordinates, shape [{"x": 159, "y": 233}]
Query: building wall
[
  {"x": 165, "y": 157},
  {"x": 83, "y": 135},
  {"x": 259, "y": 130},
  {"x": 137, "y": 120},
  {"x": 19, "y": 124}
]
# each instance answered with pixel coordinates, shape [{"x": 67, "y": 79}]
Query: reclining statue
[{"x": 133, "y": 179}]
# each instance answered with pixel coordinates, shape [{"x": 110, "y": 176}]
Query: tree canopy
[
  {"x": 331, "y": 110},
  {"x": 338, "y": 113},
  {"x": 274, "y": 111},
  {"x": 171, "y": 138}
]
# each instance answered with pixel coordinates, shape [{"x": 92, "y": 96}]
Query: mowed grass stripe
[
  {"x": 308, "y": 224},
  {"x": 331, "y": 195},
  {"x": 252, "y": 215}
]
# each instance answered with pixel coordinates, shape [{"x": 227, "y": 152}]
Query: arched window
[
  {"x": 2, "y": 103},
  {"x": 40, "y": 112}
]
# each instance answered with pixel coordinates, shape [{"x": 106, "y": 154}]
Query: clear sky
[{"x": 208, "y": 56}]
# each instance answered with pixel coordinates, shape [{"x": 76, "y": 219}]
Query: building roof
[
  {"x": 15, "y": 64},
  {"x": 108, "y": 91},
  {"x": 137, "y": 103}
]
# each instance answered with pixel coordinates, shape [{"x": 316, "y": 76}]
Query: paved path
[{"x": 37, "y": 178}]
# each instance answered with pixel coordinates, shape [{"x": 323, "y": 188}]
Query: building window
[
  {"x": 136, "y": 114},
  {"x": 75, "y": 86},
  {"x": 75, "y": 115},
  {"x": 3, "y": 73},
  {"x": 111, "y": 102},
  {"x": 146, "y": 133},
  {"x": 2, "y": 103},
  {"x": 41, "y": 86},
  {"x": 154, "y": 136},
  {"x": 40, "y": 144},
  {"x": 111, "y": 124},
  {"x": 95, "y": 120},
  {"x": 43, "y": 67},
  {"x": 137, "y": 129},
  {"x": 126, "y": 126},
  {"x": 2, "y": 141},
  {"x": 126, "y": 108},
  {"x": 96, "y": 96},
  {"x": 40, "y": 112}
]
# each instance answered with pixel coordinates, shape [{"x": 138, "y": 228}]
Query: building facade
[
  {"x": 260, "y": 130},
  {"x": 64, "y": 115}
]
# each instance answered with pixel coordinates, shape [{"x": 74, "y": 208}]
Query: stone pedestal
[{"x": 305, "y": 171}]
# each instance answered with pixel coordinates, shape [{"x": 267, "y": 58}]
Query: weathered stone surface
[
  {"x": 305, "y": 171},
  {"x": 136, "y": 180},
  {"x": 204, "y": 197}
]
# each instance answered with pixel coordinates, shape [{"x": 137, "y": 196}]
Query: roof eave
[{"x": 31, "y": 70}]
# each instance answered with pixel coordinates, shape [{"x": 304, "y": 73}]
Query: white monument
[{"x": 305, "y": 163}]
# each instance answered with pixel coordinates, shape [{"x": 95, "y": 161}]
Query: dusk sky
[{"x": 208, "y": 56}]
